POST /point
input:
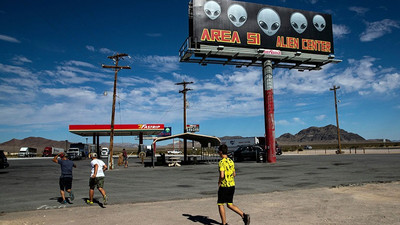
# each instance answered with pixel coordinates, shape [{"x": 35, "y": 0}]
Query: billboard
[
  {"x": 193, "y": 128},
  {"x": 166, "y": 132},
  {"x": 250, "y": 25}
]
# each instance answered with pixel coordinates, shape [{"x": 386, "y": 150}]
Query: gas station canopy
[
  {"x": 119, "y": 129},
  {"x": 203, "y": 139}
]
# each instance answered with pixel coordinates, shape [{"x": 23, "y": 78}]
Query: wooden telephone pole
[
  {"x": 339, "y": 151},
  {"x": 116, "y": 68},
  {"x": 184, "y": 83}
]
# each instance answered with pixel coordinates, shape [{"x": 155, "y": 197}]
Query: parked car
[
  {"x": 149, "y": 152},
  {"x": 253, "y": 152},
  {"x": 278, "y": 150},
  {"x": 307, "y": 147},
  {"x": 104, "y": 152},
  {"x": 3, "y": 160}
]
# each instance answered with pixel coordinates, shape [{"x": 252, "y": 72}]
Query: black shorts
[
  {"x": 225, "y": 195},
  {"x": 65, "y": 183}
]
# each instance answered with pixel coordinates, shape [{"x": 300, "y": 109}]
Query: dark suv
[
  {"x": 253, "y": 152},
  {"x": 3, "y": 160}
]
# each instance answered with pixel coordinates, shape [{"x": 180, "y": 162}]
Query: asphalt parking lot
[{"x": 32, "y": 184}]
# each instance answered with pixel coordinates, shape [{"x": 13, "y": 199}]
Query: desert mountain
[
  {"x": 39, "y": 143},
  {"x": 325, "y": 134}
]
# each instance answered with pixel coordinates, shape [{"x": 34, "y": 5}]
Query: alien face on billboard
[
  {"x": 319, "y": 22},
  {"x": 269, "y": 21},
  {"x": 298, "y": 22},
  {"x": 212, "y": 9},
  {"x": 237, "y": 15}
]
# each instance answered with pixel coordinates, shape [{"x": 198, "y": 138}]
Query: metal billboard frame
[{"x": 203, "y": 54}]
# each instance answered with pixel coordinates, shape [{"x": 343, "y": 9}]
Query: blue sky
[{"x": 51, "y": 75}]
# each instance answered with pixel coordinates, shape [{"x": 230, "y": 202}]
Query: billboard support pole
[{"x": 269, "y": 111}]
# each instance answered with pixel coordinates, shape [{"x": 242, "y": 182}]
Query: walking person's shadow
[{"x": 201, "y": 219}]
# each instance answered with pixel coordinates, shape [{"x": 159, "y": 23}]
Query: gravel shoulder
[{"x": 374, "y": 203}]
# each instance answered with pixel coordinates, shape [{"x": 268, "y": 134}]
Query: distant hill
[
  {"x": 327, "y": 134},
  {"x": 323, "y": 135},
  {"x": 35, "y": 142}
]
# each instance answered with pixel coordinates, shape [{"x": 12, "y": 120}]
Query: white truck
[
  {"x": 234, "y": 143},
  {"x": 27, "y": 152},
  {"x": 74, "y": 154}
]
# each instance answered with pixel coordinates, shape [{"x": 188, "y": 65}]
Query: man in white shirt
[{"x": 97, "y": 178}]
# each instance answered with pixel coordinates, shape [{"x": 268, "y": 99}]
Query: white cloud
[
  {"x": 320, "y": 117},
  {"x": 17, "y": 92},
  {"x": 298, "y": 120},
  {"x": 387, "y": 83},
  {"x": 245, "y": 82},
  {"x": 378, "y": 29},
  {"x": 80, "y": 63},
  {"x": 20, "y": 60},
  {"x": 101, "y": 50},
  {"x": 283, "y": 122},
  {"x": 180, "y": 77},
  {"x": 78, "y": 72},
  {"x": 23, "y": 72},
  {"x": 162, "y": 64},
  {"x": 301, "y": 104},
  {"x": 313, "y": 1},
  {"x": 359, "y": 10},
  {"x": 339, "y": 31},
  {"x": 70, "y": 77},
  {"x": 90, "y": 48},
  {"x": 20, "y": 114},
  {"x": 79, "y": 93},
  {"x": 9, "y": 39},
  {"x": 301, "y": 82},
  {"x": 106, "y": 51},
  {"x": 364, "y": 76}
]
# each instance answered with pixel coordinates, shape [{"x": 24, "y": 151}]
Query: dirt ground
[{"x": 377, "y": 203}]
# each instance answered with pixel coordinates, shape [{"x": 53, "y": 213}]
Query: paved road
[{"x": 33, "y": 184}]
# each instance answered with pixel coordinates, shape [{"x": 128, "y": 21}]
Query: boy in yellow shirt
[{"x": 226, "y": 184}]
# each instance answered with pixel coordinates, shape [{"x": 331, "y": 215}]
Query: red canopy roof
[{"x": 119, "y": 129}]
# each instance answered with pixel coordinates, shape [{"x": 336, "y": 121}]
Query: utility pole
[
  {"x": 184, "y": 83},
  {"x": 116, "y": 68},
  {"x": 339, "y": 151}
]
